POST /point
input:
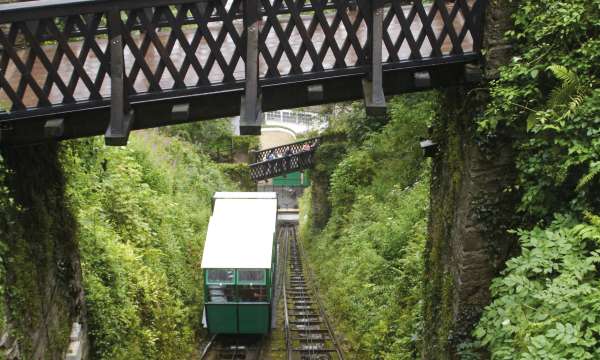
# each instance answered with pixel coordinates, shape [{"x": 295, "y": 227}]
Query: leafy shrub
[
  {"x": 547, "y": 303},
  {"x": 240, "y": 174},
  {"x": 142, "y": 213},
  {"x": 212, "y": 138},
  {"x": 368, "y": 259},
  {"x": 551, "y": 88}
]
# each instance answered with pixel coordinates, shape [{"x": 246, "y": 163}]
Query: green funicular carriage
[{"x": 239, "y": 260}]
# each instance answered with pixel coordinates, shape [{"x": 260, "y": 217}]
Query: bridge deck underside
[{"x": 55, "y": 57}]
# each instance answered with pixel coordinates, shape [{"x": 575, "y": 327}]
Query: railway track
[
  {"x": 230, "y": 347},
  {"x": 309, "y": 335}
]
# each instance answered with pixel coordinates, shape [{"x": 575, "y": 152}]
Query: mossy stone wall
[
  {"x": 470, "y": 210},
  {"x": 44, "y": 293},
  {"x": 330, "y": 152}
]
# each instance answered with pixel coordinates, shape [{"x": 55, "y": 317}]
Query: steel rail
[
  {"x": 316, "y": 291},
  {"x": 286, "y": 313},
  {"x": 220, "y": 347},
  {"x": 311, "y": 323},
  {"x": 207, "y": 348}
]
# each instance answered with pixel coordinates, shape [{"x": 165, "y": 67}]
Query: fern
[
  {"x": 566, "y": 76},
  {"x": 570, "y": 88},
  {"x": 564, "y": 100},
  {"x": 594, "y": 171}
]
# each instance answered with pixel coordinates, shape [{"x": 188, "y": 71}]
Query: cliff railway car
[{"x": 239, "y": 263}]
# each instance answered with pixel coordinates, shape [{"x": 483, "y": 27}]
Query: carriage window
[
  {"x": 220, "y": 276},
  {"x": 252, "y": 277},
  {"x": 221, "y": 293},
  {"x": 253, "y": 293}
]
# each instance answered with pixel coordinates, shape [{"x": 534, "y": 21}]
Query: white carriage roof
[
  {"x": 245, "y": 195},
  {"x": 240, "y": 232}
]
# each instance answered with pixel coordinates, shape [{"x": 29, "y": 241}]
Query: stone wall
[
  {"x": 43, "y": 285},
  {"x": 330, "y": 152},
  {"x": 470, "y": 212}
]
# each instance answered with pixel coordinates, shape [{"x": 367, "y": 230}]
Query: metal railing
[
  {"x": 284, "y": 165},
  {"x": 282, "y": 150}
]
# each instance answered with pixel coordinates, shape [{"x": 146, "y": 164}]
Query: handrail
[
  {"x": 259, "y": 156},
  {"x": 43, "y": 9},
  {"x": 30, "y": 10},
  {"x": 290, "y": 144},
  {"x": 283, "y": 165},
  {"x": 282, "y": 158}
]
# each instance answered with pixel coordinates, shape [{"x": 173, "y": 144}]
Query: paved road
[{"x": 216, "y": 75}]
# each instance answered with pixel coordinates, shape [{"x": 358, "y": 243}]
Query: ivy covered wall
[
  {"x": 470, "y": 214},
  {"x": 40, "y": 255},
  {"x": 470, "y": 211}
]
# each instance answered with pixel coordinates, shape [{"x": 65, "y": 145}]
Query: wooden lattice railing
[
  {"x": 281, "y": 166},
  {"x": 284, "y": 159},
  {"x": 279, "y": 151},
  {"x": 60, "y": 57}
]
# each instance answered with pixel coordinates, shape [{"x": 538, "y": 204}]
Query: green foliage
[
  {"x": 553, "y": 86},
  {"x": 5, "y": 203},
  {"x": 329, "y": 154},
  {"x": 546, "y": 33},
  {"x": 395, "y": 147},
  {"x": 37, "y": 236},
  {"x": 560, "y": 161},
  {"x": 245, "y": 143},
  {"x": 563, "y": 102},
  {"x": 369, "y": 256},
  {"x": 212, "y": 138},
  {"x": 353, "y": 121},
  {"x": 142, "y": 212},
  {"x": 239, "y": 174},
  {"x": 547, "y": 304}
]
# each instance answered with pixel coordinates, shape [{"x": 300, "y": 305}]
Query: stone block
[
  {"x": 75, "y": 332},
  {"x": 75, "y": 351}
]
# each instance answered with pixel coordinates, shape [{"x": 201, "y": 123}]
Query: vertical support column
[
  {"x": 373, "y": 85},
  {"x": 250, "y": 111},
  {"x": 121, "y": 114},
  {"x": 478, "y": 24}
]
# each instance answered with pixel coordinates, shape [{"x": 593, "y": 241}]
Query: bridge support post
[
  {"x": 121, "y": 114},
  {"x": 250, "y": 110},
  {"x": 373, "y": 85}
]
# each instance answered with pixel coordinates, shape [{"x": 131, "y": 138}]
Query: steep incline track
[
  {"x": 308, "y": 332},
  {"x": 223, "y": 347}
]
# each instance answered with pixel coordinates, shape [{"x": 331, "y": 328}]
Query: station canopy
[{"x": 241, "y": 231}]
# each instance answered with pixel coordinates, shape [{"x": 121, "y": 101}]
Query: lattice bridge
[
  {"x": 75, "y": 68},
  {"x": 284, "y": 159}
]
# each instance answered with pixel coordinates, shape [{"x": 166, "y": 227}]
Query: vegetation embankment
[
  {"x": 139, "y": 215},
  {"x": 546, "y": 302},
  {"x": 142, "y": 211},
  {"x": 368, "y": 256}
]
